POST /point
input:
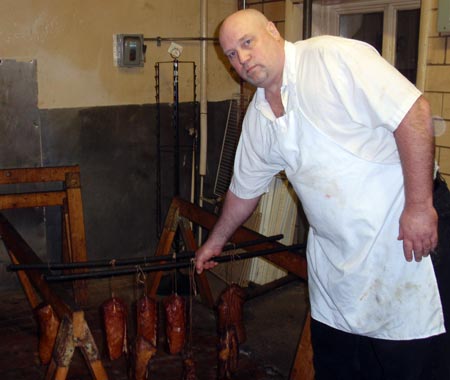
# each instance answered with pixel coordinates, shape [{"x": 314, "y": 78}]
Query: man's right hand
[
  {"x": 204, "y": 255},
  {"x": 235, "y": 211}
]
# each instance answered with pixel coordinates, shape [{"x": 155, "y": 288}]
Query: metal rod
[
  {"x": 158, "y": 152},
  {"x": 135, "y": 260},
  {"x": 262, "y": 2},
  {"x": 307, "y": 19},
  {"x": 158, "y": 39},
  {"x": 176, "y": 130},
  {"x": 169, "y": 266}
]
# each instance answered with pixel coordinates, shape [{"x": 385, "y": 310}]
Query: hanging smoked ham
[
  {"x": 115, "y": 320},
  {"x": 48, "y": 330},
  {"x": 228, "y": 353},
  {"x": 174, "y": 307},
  {"x": 144, "y": 351},
  {"x": 147, "y": 319},
  {"x": 230, "y": 310}
]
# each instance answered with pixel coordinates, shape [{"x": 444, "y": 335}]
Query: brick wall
[{"x": 437, "y": 82}]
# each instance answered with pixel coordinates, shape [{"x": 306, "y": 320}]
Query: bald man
[{"x": 354, "y": 138}]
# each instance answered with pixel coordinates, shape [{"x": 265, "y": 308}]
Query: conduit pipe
[
  {"x": 203, "y": 106},
  {"x": 307, "y": 19},
  {"x": 426, "y": 11},
  {"x": 203, "y": 96}
]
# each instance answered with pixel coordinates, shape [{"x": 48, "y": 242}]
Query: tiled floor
[{"x": 273, "y": 322}]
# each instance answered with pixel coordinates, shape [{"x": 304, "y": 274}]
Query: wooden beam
[
  {"x": 164, "y": 246},
  {"x": 191, "y": 245},
  {"x": 24, "y": 254},
  {"x": 303, "y": 368},
  {"x": 74, "y": 331},
  {"x": 173, "y": 223},
  {"x": 72, "y": 334},
  {"x": 30, "y": 175},
  {"x": 293, "y": 263},
  {"x": 76, "y": 236},
  {"x": 30, "y": 293},
  {"x": 39, "y": 199}
]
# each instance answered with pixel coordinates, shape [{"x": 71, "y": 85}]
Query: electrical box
[
  {"x": 129, "y": 50},
  {"x": 444, "y": 16}
]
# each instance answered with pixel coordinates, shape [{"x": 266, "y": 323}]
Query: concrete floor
[{"x": 273, "y": 321}]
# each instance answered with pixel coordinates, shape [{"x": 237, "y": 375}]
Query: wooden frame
[
  {"x": 74, "y": 240},
  {"x": 180, "y": 216},
  {"x": 73, "y": 330}
]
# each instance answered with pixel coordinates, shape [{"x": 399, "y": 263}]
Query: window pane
[
  {"x": 406, "y": 45},
  {"x": 366, "y": 27}
]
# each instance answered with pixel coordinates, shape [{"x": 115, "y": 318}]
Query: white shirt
[{"x": 336, "y": 145}]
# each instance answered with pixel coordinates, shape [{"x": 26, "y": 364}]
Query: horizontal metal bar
[
  {"x": 169, "y": 266},
  {"x": 133, "y": 261},
  {"x": 158, "y": 39}
]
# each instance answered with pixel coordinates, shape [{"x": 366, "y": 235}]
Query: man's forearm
[
  {"x": 415, "y": 142},
  {"x": 234, "y": 213},
  {"x": 418, "y": 222}
]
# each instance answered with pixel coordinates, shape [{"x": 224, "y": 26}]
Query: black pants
[
  {"x": 440, "y": 367},
  {"x": 343, "y": 356}
]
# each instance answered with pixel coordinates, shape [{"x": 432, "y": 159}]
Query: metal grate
[{"x": 236, "y": 111}]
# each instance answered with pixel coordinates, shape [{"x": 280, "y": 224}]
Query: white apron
[{"x": 359, "y": 280}]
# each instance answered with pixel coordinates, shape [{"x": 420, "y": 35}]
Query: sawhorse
[
  {"x": 180, "y": 216},
  {"x": 73, "y": 330},
  {"x": 69, "y": 198}
]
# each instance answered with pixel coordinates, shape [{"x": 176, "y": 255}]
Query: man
[{"x": 355, "y": 139}]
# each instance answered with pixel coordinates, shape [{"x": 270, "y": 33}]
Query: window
[
  {"x": 392, "y": 27},
  {"x": 406, "y": 42},
  {"x": 366, "y": 27}
]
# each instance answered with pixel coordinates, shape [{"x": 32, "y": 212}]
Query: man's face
[{"x": 254, "y": 49}]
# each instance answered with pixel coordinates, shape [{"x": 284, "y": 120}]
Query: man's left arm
[{"x": 415, "y": 142}]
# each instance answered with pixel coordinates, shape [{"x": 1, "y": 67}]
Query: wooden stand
[
  {"x": 74, "y": 240},
  {"x": 73, "y": 330},
  {"x": 181, "y": 214},
  {"x": 303, "y": 368}
]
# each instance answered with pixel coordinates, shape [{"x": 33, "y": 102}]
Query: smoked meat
[
  {"x": 48, "y": 330},
  {"x": 147, "y": 319},
  {"x": 144, "y": 352},
  {"x": 174, "y": 306},
  {"x": 230, "y": 310},
  {"x": 228, "y": 353},
  {"x": 115, "y": 320}
]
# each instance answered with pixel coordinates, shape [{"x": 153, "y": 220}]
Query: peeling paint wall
[
  {"x": 63, "y": 102},
  {"x": 72, "y": 43}
]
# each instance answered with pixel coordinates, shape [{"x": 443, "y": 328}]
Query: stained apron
[{"x": 359, "y": 280}]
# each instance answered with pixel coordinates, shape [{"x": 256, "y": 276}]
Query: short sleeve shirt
[{"x": 336, "y": 145}]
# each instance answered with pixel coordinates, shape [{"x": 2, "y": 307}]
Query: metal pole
[
  {"x": 169, "y": 266},
  {"x": 158, "y": 153},
  {"x": 136, "y": 260},
  {"x": 307, "y": 18},
  {"x": 175, "y": 121}
]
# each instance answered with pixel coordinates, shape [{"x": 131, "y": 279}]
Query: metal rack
[{"x": 175, "y": 116}]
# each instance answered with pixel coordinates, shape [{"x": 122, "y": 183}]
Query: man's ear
[{"x": 272, "y": 29}]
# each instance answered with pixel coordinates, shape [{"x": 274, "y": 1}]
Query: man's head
[{"x": 254, "y": 48}]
